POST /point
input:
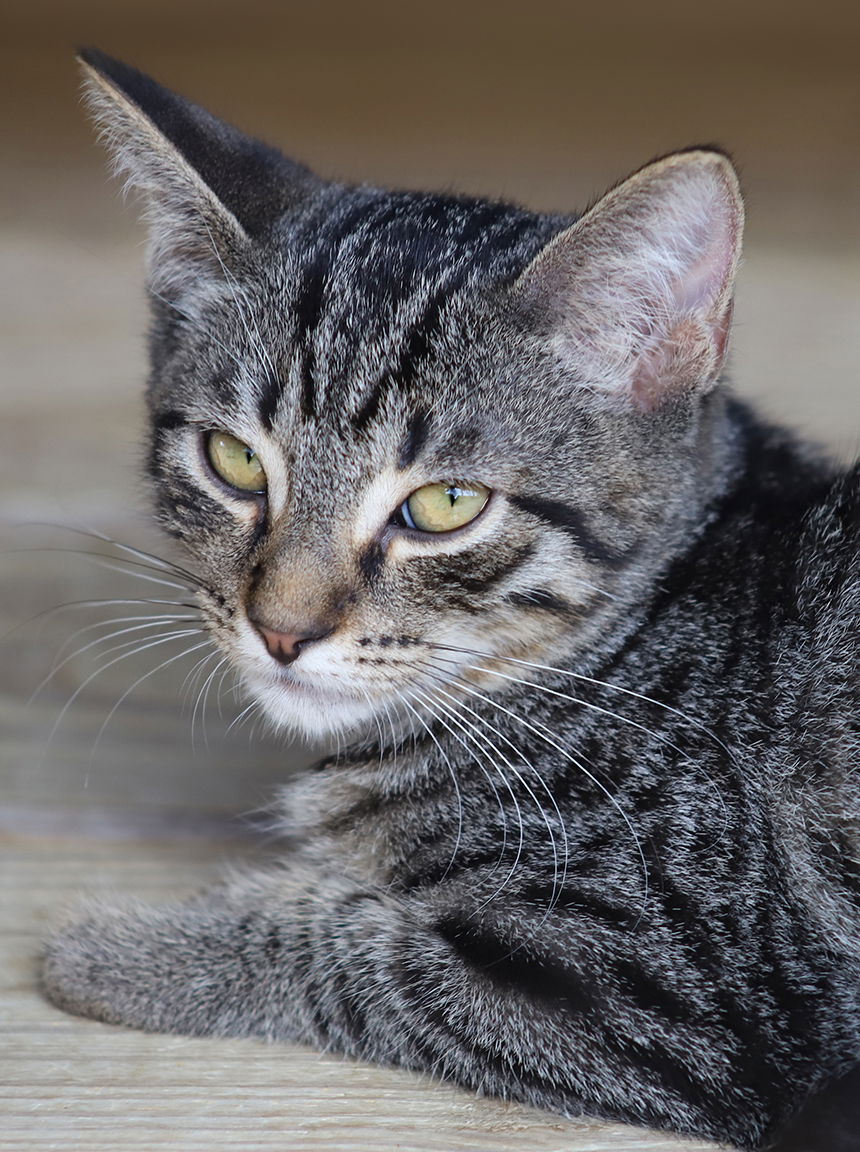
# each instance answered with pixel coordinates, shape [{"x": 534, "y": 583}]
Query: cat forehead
[
  {"x": 385, "y": 243},
  {"x": 350, "y": 303}
]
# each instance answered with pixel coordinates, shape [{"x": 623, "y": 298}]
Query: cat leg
[
  {"x": 291, "y": 956},
  {"x": 286, "y": 954}
]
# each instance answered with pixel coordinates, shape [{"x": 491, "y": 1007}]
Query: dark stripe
[
  {"x": 308, "y": 302},
  {"x": 371, "y": 562},
  {"x": 486, "y": 222},
  {"x": 652, "y": 993},
  {"x": 412, "y": 352},
  {"x": 308, "y": 305},
  {"x": 540, "y": 978},
  {"x": 273, "y": 944},
  {"x": 417, "y": 343},
  {"x": 463, "y": 442},
  {"x": 169, "y": 419},
  {"x": 460, "y": 571},
  {"x": 349, "y": 1011},
  {"x": 828, "y": 1121},
  {"x": 570, "y": 902},
  {"x": 243, "y": 931},
  {"x": 370, "y": 407},
  {"x": 307, "y": 390},
  {"x": 556, "y": 987},
  {"x": 680, "y": 1079},
  {"x": 224, "y": 385},
  {"x": 273, "y": 390},
  {"x": 540, "y": 598},
  {"x": 416, "y": 437},
  {"x": 304, "y": 965},
  {"x": 569, "y": 520}
]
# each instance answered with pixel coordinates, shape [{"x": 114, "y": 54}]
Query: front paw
[
  {"x": 213, "y": 965},
  {"x": 96, "y": 966}
]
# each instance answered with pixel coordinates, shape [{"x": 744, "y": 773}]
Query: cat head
[{"x": 408, "y": 436}]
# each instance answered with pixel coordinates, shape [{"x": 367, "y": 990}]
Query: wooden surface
[{"x": 549, "y": 110}]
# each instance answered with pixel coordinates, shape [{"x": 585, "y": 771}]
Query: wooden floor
[{"x": 153, "y": 798}]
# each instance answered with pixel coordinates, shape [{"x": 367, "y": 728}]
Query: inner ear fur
[{"x": 636, "y": 296}]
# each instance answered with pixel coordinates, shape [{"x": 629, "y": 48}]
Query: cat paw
[
  {"x": 199, "y": 968},
  {"x": 89, "y": 966}
]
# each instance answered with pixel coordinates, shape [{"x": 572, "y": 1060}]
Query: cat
[{"x": 463, "y": 482}]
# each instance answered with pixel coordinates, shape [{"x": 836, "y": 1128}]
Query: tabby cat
[{"x": 460, "y": 481}]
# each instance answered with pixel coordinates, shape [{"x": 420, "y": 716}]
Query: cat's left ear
[
  {"x": 209, "y": 190},
  {"x": 636, "y": 296}
]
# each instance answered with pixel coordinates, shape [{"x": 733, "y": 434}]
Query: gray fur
[{"x": 594, "y": 843}]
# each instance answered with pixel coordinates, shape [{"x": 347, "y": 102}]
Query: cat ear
[
  {"x": 208, "y": 189},
  {"x": 636, "y": 296}
]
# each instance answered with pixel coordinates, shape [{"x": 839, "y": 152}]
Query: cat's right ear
[{"x": 209, "y": 191}]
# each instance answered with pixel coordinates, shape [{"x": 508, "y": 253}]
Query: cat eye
[
  {"x": 236, "y": 463},
  {"x": 443, "y": 507}
]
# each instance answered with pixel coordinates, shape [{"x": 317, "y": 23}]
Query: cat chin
[{"x": 310, "y": 712}]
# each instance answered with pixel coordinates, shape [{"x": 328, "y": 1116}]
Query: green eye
[
  {"x": 236, "y": 463},
  {"x": 443, "y": 507}
]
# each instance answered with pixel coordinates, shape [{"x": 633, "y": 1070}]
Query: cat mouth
[
  {"x": 310, "y": 709},
  {"x": 286, "y": 681},
  {"x": 299, "y": 684}
]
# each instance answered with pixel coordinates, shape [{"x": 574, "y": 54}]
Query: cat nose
[{"x": 286, "y": 647}]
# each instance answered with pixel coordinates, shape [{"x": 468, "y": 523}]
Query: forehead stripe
[
  {"x": 412, "y": 351},
  {"x": 311, "y": 296},
  {"x": 416, "y": 437}
]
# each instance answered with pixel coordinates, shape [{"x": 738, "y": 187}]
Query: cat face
[
  {"x": 399, "y": 430},
  {"x": 346, "y": 428}
]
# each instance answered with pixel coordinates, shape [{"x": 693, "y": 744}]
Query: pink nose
[{"x": 286, "y": 647}]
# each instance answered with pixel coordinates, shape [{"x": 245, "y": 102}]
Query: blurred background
[{"x": 543, "y": 101}]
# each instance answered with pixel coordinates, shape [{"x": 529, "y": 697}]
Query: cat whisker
[
  {"x": 227, "y": 671},
  {"x": 47, "y": 613},
  {"x": 477, "y": 739},
  {"x": 661, "y": 737},
  {"x": 194, "y": 683},
  {"x": 146, "y": 675},
  {"x": 157, "y": 621},
  {"x": 237, "y": 721},
  {"x": 203, "y": 698},
  {"x": 152, "y": 643},
  {"x": 426, "y": 727},
  {"x": 191, "y": 680},
  {"x": 139, "y": 553},
  {"x": 257, "y": 721},
  {"x": 545, "y": 736},
  {"x": 558, "y": 883},
  {"x": 187, "y": 316},
  {"x": 149, "y": 621},
  {"x": 394, "y": 742},
  {"x": 374, "y": 713},
  {"x": 122, "y": 564},
  {"x": 471, "y": 746},
  {"x": 133, "y": 568},
  {"x": 589, "y": 680},
  {"x": 655, "y": 734},
  {"x": 240, "y": 298},
  {"x": 114, "y": 566},
  {"x": 582, "y": 584}
]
